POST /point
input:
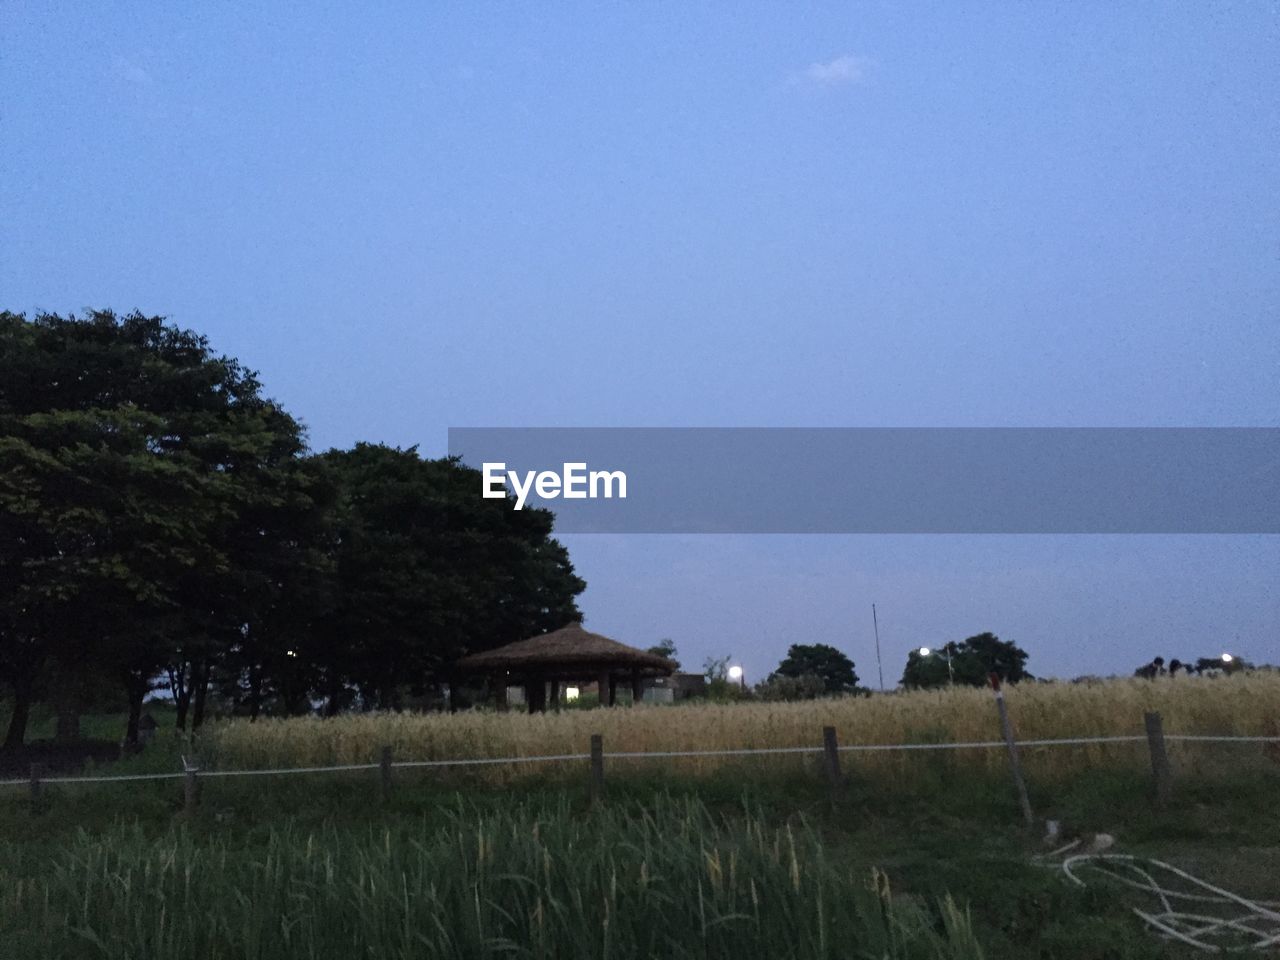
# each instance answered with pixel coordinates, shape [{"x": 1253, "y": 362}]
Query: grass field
[
  {"x": 920, "y": 856},
  {"x": 1240, "y": 705}
]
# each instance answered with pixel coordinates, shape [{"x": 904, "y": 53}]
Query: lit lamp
[
  {"x": 571, "y": 693},
  {"x": 735, "y": 673},
  {"x": 951, "y": 674},
  {"x": 1227, "y": 658}
]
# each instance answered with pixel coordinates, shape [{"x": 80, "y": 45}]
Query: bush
[{"x": 807, "y": 686}]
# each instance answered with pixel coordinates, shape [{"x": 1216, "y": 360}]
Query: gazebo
[{"x": 566, "y": 655}]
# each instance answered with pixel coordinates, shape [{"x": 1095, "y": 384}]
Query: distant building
[{"x": 678, "y": 686}]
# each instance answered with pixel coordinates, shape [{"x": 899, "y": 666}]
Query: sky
[{"x": 409, "y": 217}]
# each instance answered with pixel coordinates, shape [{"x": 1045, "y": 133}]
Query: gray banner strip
[{"x": 891, "y": 480}]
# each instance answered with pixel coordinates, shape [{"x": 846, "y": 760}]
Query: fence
[{"x": 829, "y": 751}]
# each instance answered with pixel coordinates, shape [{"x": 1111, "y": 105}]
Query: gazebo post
[
  {"x": 604, "y": 683},
  {"x": 500, "y": 690},
  {"x": 555, "y": 695},
  {"x": 540, "y": 693},
  {"x": 637, "y": 687},
  {"x": 613, "y": 690}
]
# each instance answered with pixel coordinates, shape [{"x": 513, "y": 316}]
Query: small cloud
[
  {"x": 130, "y": 71},
  {"x": 838, "y": 72}
]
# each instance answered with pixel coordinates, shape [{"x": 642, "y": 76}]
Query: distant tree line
[
  {"x": 161, "y": 519},
  {"x": 1202, "y": 666},
  {"x": 814, "y": 670}
]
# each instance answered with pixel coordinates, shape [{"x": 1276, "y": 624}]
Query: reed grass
[
  {"x": 1242, "y": 705},
  {"x": 671, "y": 880}
]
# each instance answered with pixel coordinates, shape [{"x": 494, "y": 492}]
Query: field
[
  {"x": 921, "y": 855},
  {"x": 1241, "y": 705}
]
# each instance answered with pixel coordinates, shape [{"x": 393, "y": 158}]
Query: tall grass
[
  {"x": 1238, "y": 705},
  {"x": 670, "y": 880}
]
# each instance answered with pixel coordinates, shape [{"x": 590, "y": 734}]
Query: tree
[
  {"x": 1216, "y": 665},
  {"x": 968, "y": 663},
  {"x": 833, "y": 668},
  {"x": 161, "y": 522},
  {"x": 665, "y": 648},
  {"x": 426, "y": 571},
  {"x": 129, "y": 453}
]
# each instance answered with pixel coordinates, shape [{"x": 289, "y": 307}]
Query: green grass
[
  {"x": 318, "y": 866},
  {"x": 537, "y": 881}
]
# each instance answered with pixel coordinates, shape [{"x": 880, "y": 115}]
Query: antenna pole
[{"x": 879, "y": 666}]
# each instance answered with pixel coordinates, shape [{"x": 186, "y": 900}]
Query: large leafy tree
[
  {"x": 131, "y": 460},
  {"x": 833, "y": 668},
  {"x": 969, "y": 662}
]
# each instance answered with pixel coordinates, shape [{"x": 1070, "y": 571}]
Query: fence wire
[{"x": 641, "y": 755}]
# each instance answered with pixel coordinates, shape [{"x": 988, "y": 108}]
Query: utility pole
[{"x": 879, "y": 666}]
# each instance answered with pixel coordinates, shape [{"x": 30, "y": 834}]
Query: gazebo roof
[{"x": 570, "y": 647}]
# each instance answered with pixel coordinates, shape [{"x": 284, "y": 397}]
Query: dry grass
[{"x": 1239, "y": 705}]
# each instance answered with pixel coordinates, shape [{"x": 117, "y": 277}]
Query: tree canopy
[
  {"x": 968, "y": 662},
  {"x": 666, "y": 647},
  {"x": 833, "y": 668}
]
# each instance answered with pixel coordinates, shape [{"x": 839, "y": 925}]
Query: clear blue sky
[{"x": 415, "y": 216}]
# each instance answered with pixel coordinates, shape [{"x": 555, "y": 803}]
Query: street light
[
  {"x": 735, "y": 673},
  {"x": 951, "y": 674},
  {"x": 1227, "y": 658}
]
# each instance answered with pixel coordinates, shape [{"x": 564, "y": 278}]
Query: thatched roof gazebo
[{"x": 566, "y": 655}]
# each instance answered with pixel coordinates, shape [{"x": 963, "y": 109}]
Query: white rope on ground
[
  {"x": 1256, "y": 928},
  {"x": 645, "y": 755}
]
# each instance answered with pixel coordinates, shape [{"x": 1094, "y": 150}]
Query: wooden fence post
[
  {"x": 831, "y": 761},
  {"x": 597, "y": 767},
  {"x": 190, "y": 796},
  {"x": 385, "y": 765},
  {"x": 1015, "y": 764},
  {"x": 1160, "y": 769},
  {"x": 37, "y": 771}
]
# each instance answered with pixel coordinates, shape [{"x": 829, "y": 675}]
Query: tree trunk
[
  {"x": 17, "y": 732},
  {"x": 137, "y": 692},
  {"x": 180, "y": 688},
  {"x": 200, "y": 694}
]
